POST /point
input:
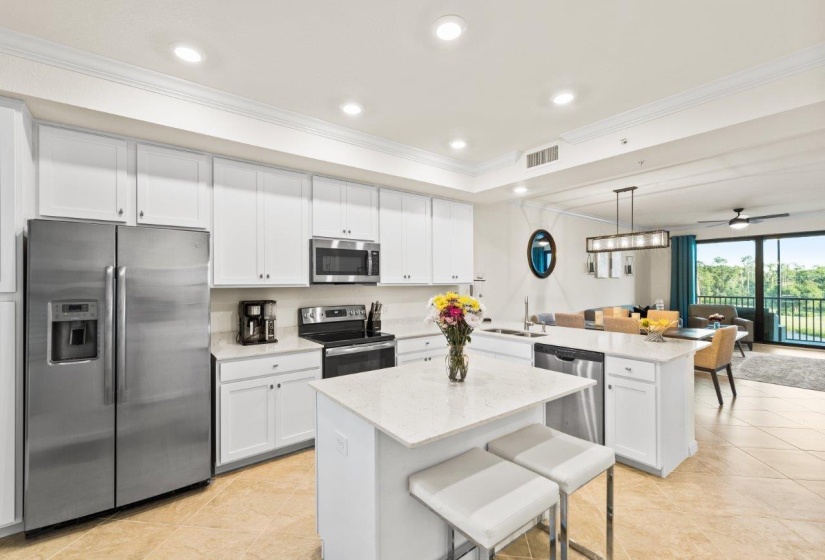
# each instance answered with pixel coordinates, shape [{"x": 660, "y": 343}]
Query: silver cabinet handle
[
  {"x": 274, "y": 366},
  {"x": 272, "y": 386},
  {"x": 120, "y": 212},
  {"x": 610, "y": 386},
  {"x": 427, "y": 343},
  {"x": 121, "y": 334},
  {"x": 349, "y": 231},
  {"x": 279, "y": 385},
  {"x": 343, "y": 231},
  {"x": 267, "y": 275},
  {"x": 260, "y": 276},
  {"x": 141, "y": 213},
  {"x": 628, "y": 369},
  {"x": 109, "y": 322}
]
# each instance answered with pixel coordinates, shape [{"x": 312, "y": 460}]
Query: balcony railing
[{"x": 788, "y": 319}]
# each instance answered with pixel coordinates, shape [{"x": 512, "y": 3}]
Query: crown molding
[
  {"x": 68, "y": 58},
  {"x": 500, "y": 162},
  {"x": 17, "y": 104},
  {"x": 756, "y": 76},
  {"x": 570, "y": 213}
]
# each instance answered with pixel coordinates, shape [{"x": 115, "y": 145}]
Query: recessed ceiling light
[
  {"x": 187, "y": 53},
  {"x": 520, "y": 190},
  {"x": 564, "y": 98},
  {"x": 448, "y": 28},
  {"x": 351, "y": 108},
  {"x": 458, "y": 144}
]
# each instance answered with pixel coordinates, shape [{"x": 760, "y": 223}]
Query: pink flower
[{"x": 456, "y": 312}]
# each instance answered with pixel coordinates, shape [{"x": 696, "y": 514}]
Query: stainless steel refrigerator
[{"x": 118, "y": 388}]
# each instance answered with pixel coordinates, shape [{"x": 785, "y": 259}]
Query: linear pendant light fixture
[{"x": 633, "y": 241}]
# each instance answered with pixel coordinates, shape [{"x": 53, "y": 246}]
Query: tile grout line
[{"x": 80, "y": 536}]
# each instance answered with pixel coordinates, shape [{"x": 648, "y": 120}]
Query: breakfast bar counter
[{"x": 375, "y": 429}]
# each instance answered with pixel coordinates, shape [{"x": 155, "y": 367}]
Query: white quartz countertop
[
  {"x": 224, "y": 346},
  {"x": 416, "y": 404},
  {"x": 632, "y": 346},
  {"x": 410, "y": 328}
]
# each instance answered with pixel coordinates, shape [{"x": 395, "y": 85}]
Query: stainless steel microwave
[{"x": 341, "y": 261}]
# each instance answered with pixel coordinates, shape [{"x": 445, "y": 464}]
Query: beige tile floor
[{"x": 755, "y": 490}]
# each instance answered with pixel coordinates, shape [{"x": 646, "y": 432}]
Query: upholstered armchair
[{"x": 698, "y": 318}]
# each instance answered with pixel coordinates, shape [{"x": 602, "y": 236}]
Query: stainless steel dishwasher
[{"x": 580, "y": 414}]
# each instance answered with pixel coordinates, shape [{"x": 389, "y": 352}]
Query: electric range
[{"x": 348, "y": 347}]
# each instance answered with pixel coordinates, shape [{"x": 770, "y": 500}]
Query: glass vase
[{"x": 457, "y": 363}]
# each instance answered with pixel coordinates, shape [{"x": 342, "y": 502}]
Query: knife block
[{"x": 373, "y": 325}]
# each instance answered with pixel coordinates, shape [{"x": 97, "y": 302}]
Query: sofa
[{"x": 698, "y": 314}]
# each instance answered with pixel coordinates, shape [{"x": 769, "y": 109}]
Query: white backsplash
[{"x": 400, "y": 302}]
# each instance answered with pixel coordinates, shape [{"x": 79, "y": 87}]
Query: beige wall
[
  {"x": 659, "y": 269},
  {"x": 501, "y": 234}
]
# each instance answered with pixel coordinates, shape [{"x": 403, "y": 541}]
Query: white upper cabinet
[
  {"x": 10, "y": 178},
  {"x": 405, "y": 238},
  {"x": 172, "y": 187},
  {"x": 344, "y": 210},
  {"x": 82, "y": 176},
  {"x": 261, "y": 226},
  {"x": 452, "y": 242},
  {"x": 286, "y": 227}
]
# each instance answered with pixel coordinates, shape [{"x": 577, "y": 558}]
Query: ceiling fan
[{"x": 740, "y": 222}]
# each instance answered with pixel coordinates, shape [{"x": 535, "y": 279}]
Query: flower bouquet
[
  {"x": 456, "y": 316},
  {"x": 655, "y": 329}
]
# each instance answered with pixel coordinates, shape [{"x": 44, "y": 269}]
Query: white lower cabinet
[
  {"x": 247, "y": 418},
  {"x": 513, "y": 351},
  {"x": 259, "y": 412},
  {"x": 8, "y": 413},
  {"x": 295, "y": 408},
  {"x": 630, "y": 418},
  {"x": 421, "y": 349}
]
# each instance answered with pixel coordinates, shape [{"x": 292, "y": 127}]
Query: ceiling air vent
[{"x": 541, "y": 157}]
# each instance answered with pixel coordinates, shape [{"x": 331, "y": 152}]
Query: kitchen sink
[
  {"x": 516, "y": 333},
  {"x": 502, "y": 331}
]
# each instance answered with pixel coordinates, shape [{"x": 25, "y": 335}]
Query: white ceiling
[
  {"x": 785, "y": 176},
  {"x": 491, "y": 87}
]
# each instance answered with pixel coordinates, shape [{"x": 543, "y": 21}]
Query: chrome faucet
[{"x": 527, "y": 324}]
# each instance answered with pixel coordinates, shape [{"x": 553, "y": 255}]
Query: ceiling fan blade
[
  {"x": 712, "y": 222},
  {"x": 770, "y": 217}
]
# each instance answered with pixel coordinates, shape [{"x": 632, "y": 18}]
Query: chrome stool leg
[
  {"x": 450, "y": 543},
  {"x": 552, "y": 532},
  {"x": 609, "y": 543},
  {"x": 565, "y": 540}
]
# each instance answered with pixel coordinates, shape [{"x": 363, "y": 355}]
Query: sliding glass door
[
  {"x": 794, "y": 298},
  {"x": 776, "y": 281}
]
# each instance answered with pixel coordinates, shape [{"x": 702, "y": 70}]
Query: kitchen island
[{"x": 375, "y": 429}]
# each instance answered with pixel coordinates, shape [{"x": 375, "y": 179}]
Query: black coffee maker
[{"x": 256, "y": 322}]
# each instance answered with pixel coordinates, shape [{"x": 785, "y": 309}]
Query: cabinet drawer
[
  {"x": 506, "y": 347},
  {"x": 632, "y": 369},
  {"x": 420, "y": 344},
  {"x": 272, "y": 365},
  {"x": 428, "y": 356}
]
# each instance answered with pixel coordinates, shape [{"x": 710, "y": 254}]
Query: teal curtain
[
  {"x": 682, "y": 274},
  {"x": 539, "y": 259}
]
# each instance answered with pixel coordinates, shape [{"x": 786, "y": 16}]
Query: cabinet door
[
  {"x": 417, "y": 243},
  {"x": 8, "y": 413},
  {"x": 9, "y": 178},
  {"x": 443, "y": 243},
  {"x": 238, "y": 238},
  {"x": 393, "y": 270},
  {"x": 286, "y": 227},
  {"x": 329, "y": 197},
  {"x": 362, "y": 212},
  {"x": 171, "y": 187},
  {"x": 630, "y": 419},
  {"x": 82, "y": 175},
  {"x": 295, "y": 407},
  {"x": 462, "y": 253},
  {"x": 247, "y": 414}
]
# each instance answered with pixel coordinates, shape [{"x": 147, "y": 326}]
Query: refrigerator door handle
[
  {"x": 120, "y": 351},
  {"x": 108, "y": 333}
]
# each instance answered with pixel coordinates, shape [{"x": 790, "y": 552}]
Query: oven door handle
[{"x": 357, "y": 349}]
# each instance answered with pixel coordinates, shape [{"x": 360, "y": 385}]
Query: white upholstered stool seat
[
  {"x": 484, "y": 497},
  {"x": 568, "y": 461}
]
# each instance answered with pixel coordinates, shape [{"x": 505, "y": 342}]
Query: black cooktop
[{"x": 347, "y": 338}]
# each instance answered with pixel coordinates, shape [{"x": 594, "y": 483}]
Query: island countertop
[
  {"x": 416, "y": 404},
  {"x": 632, "y": 346}
]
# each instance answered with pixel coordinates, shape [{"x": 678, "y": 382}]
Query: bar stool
[
  {"x": 484, "y": 498},
  {"x": 569, "y": 462}
]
